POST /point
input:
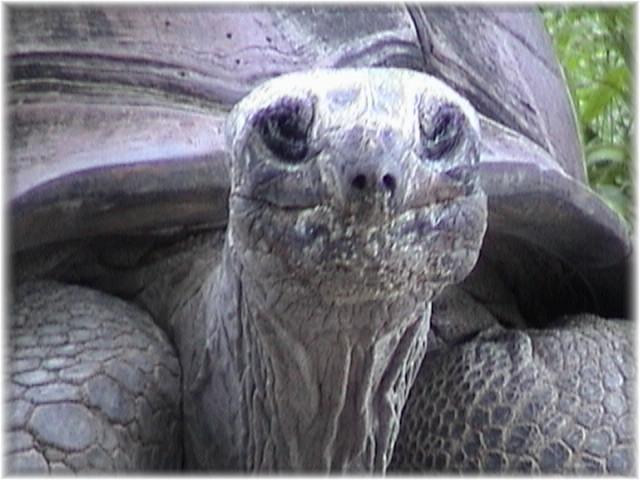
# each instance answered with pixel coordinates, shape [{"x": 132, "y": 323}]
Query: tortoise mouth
[
  {"x": 441, "y": 215},
  {"x": 423, "y": 247}
]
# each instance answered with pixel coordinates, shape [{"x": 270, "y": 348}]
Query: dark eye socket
[
  {"x": 442, "y": 131},
  {"x": 284, "y": 128}
]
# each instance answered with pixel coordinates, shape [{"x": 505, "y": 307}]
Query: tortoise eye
[
  {"x": 441, "y": 131},
  {"x": 284, "y": 128}
]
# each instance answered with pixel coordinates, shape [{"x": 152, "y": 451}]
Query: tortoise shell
[{"x": 117, "y": 115}]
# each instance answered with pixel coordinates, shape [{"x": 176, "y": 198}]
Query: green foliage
[{"x": 594, "y": 47}]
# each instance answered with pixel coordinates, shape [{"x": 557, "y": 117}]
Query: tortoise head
[{"x": 359, "y": 184}]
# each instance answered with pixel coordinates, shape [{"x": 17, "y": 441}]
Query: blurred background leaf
[{"x": 594, "y": 48}]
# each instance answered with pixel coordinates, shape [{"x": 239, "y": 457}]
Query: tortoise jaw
[{"x": 349, "y": 259}]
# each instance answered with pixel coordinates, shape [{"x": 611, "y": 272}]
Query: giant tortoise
[{"x": 383, "y": 257}]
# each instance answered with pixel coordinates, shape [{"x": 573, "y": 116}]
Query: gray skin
[
  {"x": 333, "y": 259},
  {"x": 354, "y": 201}
]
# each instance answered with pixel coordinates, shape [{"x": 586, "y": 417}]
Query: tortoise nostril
[
  {"x": 359, "y": 182},
  {"x": 389, "y": 181}
]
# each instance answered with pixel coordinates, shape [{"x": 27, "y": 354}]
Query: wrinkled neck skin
[{"x": 299, "y": 383}]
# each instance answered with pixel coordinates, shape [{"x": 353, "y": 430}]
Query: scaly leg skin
[
  {"x": 533, "y": 401},
  {"x": 94, "y": 385}
]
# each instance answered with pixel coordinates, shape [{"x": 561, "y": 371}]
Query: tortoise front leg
[
  {"x": 94, "y": 384},
  {"x": 555, "y": 400}
]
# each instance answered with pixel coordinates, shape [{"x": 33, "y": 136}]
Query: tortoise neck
[{"x": 317, "y": 393}]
